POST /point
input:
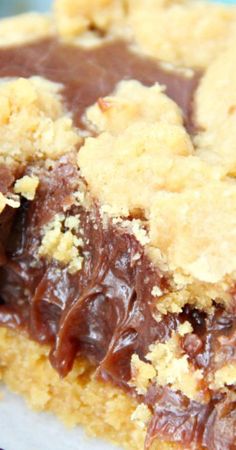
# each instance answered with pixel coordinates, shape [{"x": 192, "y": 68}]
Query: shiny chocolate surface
[{"x": 88, "y": 74}]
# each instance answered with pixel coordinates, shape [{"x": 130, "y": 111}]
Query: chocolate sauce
[
  {"x": 7, "y": 178},
  {"x": 88, "y": 74},
  {"x": 176, "y": 418},
  {"x": 105, "y": 311}
]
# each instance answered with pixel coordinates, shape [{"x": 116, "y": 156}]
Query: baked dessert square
[{"x": 118, "y": 218}]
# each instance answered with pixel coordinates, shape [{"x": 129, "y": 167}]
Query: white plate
[{"x": 22, "y": 429}]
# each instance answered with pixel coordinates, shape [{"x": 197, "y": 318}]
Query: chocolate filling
[
  {"x": 88, "y": 74},
  {"x": 105, "y": 311}
]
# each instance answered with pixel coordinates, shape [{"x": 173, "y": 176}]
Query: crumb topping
[
  {"x": 75, "y": 17},
  {"x": 226, "y": 376},
  {"x": 187, "y": 200},
  {"x": 208, "y": 28},
  {"x": 2, "y": 202},
  {"x": 205, "y": 27},
  {"x": 199, "y": 30},
  {"x": 145, "y": 159},
  {"x": 156, "y": 291},
  {"x": 141, "y": 415},
  {"x": 216, "y": 112},
  {"x": 172, "y": 367},
  {"x": 137, "y": 230},
  {"x": 60, "y": 243},
  {"x": 11, "y": 200},
  {"x": 197, "y": 294},
  {"x": 131, "y": 102},
  {"x": 142, "y": 373},
  {"x": 26, "y": 186},
  {"x": 168, "y": 365},
  {"x": 33, "y": 122},
  {"x": 25, "y": 28},
  {"x": 185, "y": 328}
]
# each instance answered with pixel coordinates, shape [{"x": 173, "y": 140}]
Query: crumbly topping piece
[
  {"x": 199, "y": 295},
  {"x": 142, "y": 373},
  {"x": 169, "y": 365},
  {"x": 144, "y": 159},
  {"x": 131, "y": 102},
  {"x": 205, "y": 27},
  {"x": 208, "y": 28},
  {"x": 185, "y": 328},
  {"x": 185, "y": 289},
  {"x": 60, "y": 243},
  {"x": 141, "y": 156},
  {"x": 11, "y": 200},
  {"x": 33, "y": 122},
  {"x": 156, "y": 291},
  {"x": 26, "y": 186},
  {"x": 196, "y": 230},
  {"x": 137, "y": 230},
  {"x": 226, "y": 376},
  {"x": 172, "y": 367},
  {"x": 187, "y": 200},
  {"x": 216, "y": 112},
  {"x": 23, "y": 28},
  {"x": 73, "y": 17},
  {"x": 199, "y": 30},
  {"x": 2, "y": 202},
  {"x": 141, "y": 415}
]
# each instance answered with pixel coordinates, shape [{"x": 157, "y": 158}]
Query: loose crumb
[
  {"x": 61, "y": 245},
  {"x": 27, "y": 186},
  {"x": 141, "y": 416}
]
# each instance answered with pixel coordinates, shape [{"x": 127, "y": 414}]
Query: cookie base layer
[{"x": 78, "y": 399}]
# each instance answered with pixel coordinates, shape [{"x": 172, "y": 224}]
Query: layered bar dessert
[{"x": 118, "y": 218}]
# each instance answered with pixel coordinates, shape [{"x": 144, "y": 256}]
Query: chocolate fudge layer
[{"x": 117, "y": 223}]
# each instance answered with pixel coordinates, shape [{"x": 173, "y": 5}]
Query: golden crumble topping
[
  {"x": 12, "y": 200},
  {"x": 132, "y": 102},
  {"x": 24, "y": 28},
  {"x": 33, "y": 122},
  {"x": 216, "y": 112},
  {"x": 145, "y": 138},
  {"x": 207, "y": 28},
  {"x": 188, "y": 201},
  {"x": 62, "y": 245},
  {"x": 199, "y": 30},
  {"x": 168, "y": 365},
  {"x": 142, "y": 374},
  {"x": 2, "y": 202},
  {"x": 156, "y": 291},
  {"x": 141, "y": 416},
  {"x": 226, "y": 376},
  {"x": 74, "y": 17},
  {"x": 27, "y": 186}
]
